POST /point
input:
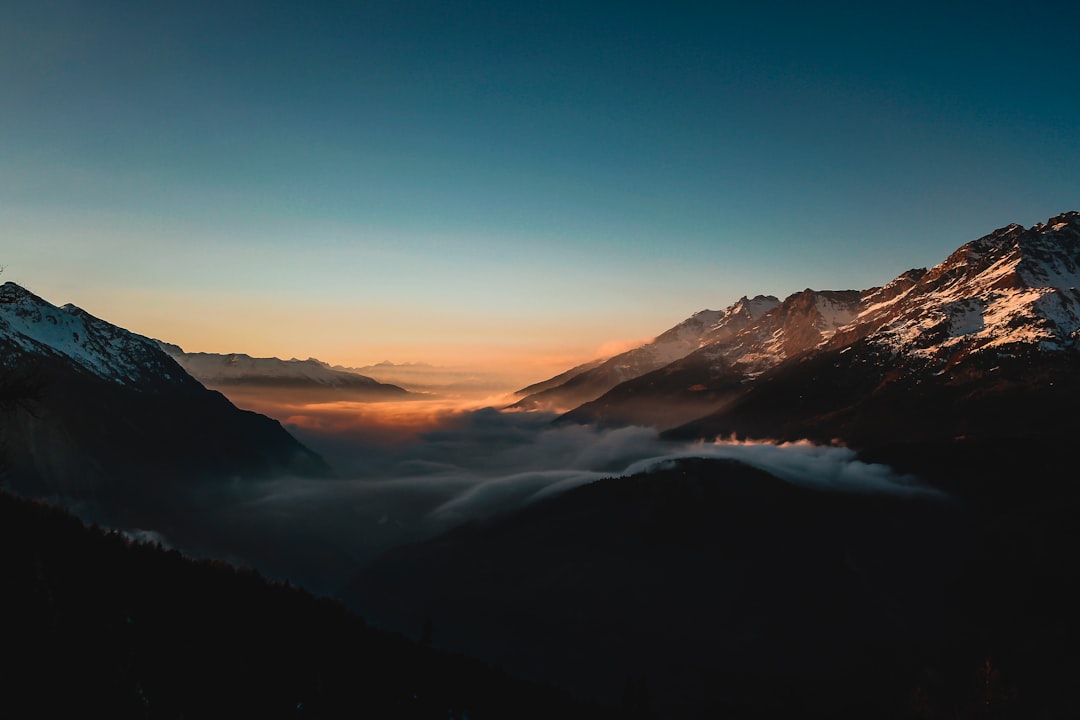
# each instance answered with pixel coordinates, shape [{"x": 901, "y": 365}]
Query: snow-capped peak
[
  {"x": 36, "y": 326},
  {"x": 784, "y": 329},
  {"x": 754, "y": 307},
  {"x": 705, "y": 326},
  {"x": 1013, "y": 286}
]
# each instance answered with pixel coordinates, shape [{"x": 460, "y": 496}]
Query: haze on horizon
[{"x": 496, "y": 184}]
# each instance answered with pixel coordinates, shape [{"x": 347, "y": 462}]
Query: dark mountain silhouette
[{"x": 725, "y": 592}]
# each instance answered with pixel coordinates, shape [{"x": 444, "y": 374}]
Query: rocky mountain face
[
  {"x": 587, "y": 383},
  {"x": 1011, "y": 288},
  {"x": 237, "y": 369},
  {"x": 91, "y": 412}
]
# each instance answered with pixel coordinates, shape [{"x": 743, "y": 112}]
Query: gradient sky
[{"x": 490, "y": 181}]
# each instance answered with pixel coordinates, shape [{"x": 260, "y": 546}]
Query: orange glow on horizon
[
  {"x": 337, "y": 334},
  {"x": 392, "y": 421},
  {"x": 414, "y": 415}
]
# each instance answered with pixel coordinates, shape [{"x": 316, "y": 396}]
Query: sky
[{"x": 510, "y": 183}]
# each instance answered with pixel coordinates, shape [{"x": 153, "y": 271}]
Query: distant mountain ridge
[{"x": 224, "y": 370}]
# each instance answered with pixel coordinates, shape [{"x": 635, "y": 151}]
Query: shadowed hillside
[{"x": 95, "y": 624}]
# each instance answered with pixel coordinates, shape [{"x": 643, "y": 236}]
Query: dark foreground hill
[
  {"x": 96, "y": 625},
  {"x": 712, "y": 589}
]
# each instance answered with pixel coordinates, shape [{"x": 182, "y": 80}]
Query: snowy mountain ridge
[
  {"x": 234, "y": 371},
  {"x": 1013, "y": 292},
  {"x": 802, "y": 321},
  {"x": 232, "y": 368},
  {"x": 1015, "y": 286},
  {"x": 700, "y": 329},
  {"x": 35, "y": 326}
]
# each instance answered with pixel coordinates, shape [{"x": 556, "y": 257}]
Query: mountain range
[
  {"x": 586, "y": 382},
  {"x": 953, "y": 354},
  {"x": 238, "y": 370},
  {"x": 990, "y": 334}
]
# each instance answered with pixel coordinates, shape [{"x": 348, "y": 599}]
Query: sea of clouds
[{"x": 467, "y": 466}]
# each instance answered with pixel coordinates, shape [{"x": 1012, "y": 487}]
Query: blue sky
[{"x": 509, "y": 181}]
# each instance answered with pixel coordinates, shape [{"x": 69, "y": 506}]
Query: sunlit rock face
[
  {"x": 1011, "y": 289},
  {"x": 704, "y": 328}
]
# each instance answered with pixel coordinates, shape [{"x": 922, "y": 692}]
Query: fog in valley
[{"x": 410, "y": 470}]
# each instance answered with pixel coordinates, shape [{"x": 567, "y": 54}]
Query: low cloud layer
[
  {"x": 824, "y": 467},
  {"x": 405, "y": 482}
]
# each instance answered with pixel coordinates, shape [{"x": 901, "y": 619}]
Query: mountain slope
[
  {"x": 560, "y": 379},
  {"x": 703, "y": 327},
  {"x": 89, "y": 411},
  {"x": 712, "y": 375}
]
